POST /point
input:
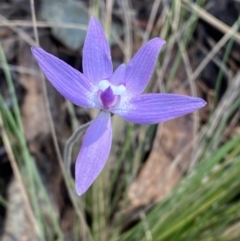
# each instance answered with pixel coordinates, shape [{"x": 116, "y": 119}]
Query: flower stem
[{"x": 70, "y": 143}]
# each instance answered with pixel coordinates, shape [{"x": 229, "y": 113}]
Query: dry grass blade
[
  {"x": 84, "y": 228},
  {"x": 153, "y": 14},
  {"x": 18, "y": 177},
  {"x": 147, "y": 230},
  {"x": 224, "y": 28},
  {"x": 176, "y": 15},
  {"x": 227, "y": 101},
  {"x": 215, "y": 60},
  {"x": 108, "y": 18},
  {"x": 34, "y": 22},
  {"x": 215, "y": 50},
  {"x": 192, "y": 84},
  {"x": 128, "y": 31}
]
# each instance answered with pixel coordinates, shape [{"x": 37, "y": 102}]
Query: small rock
[{"x": 66, "y": 12}]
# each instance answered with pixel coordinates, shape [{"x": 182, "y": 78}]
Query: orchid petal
[
  {"x": 154, "y": 108},
  {"x": 118, "y": 76},
  {"x": 69, "y": 82},
  {"x": 97, "y": 63},
  {"x": 95, "y": 150},
  {"x": 140, "y": 68}
]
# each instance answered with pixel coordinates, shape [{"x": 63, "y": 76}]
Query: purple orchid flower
[{"x": 118, "y": 93}]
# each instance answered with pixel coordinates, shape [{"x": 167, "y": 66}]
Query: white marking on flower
[{"x": 117, "y": 90}]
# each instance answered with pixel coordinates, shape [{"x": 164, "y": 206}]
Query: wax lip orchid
[{"x": 118, "y": 92}]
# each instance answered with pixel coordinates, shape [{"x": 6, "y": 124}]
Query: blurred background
[{"x": 177, "y": 181}]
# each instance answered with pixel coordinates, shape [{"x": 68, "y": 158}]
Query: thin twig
[
  {"x": 18, "y": 31},
  {"x": 14, "y": 24},
  {"x": 42, "y": 24},
  {"x": 19, "y": 69}
]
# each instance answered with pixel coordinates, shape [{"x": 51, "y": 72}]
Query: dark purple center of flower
[{"x": 108, "y": 98}]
